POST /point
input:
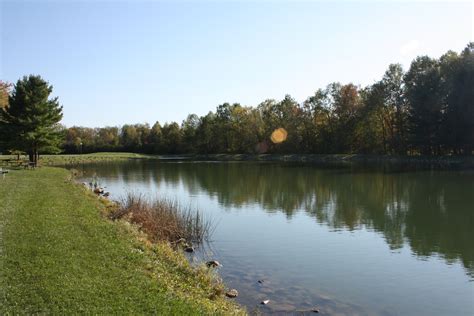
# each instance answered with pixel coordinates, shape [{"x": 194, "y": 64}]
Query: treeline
[{"x": 427, "y": 110}]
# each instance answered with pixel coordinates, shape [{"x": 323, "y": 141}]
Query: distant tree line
[{"x": 427, "y": 110}]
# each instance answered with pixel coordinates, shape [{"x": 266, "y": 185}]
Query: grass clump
[{"x": 163, "y": 219}]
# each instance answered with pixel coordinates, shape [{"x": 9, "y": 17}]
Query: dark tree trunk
[
  {"x": 33, "y": 156},
  {"x": 36, "y": 158}
]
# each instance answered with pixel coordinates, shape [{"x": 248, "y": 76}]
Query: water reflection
[{"x": 431, "y": 211}]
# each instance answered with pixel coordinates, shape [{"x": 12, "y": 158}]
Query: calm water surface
[{"x": 349, "y": 241}]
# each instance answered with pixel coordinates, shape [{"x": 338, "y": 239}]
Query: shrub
[{"x": 164, "y": 219}]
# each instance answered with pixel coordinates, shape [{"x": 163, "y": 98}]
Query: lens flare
[{"x": 279, "y": 135}]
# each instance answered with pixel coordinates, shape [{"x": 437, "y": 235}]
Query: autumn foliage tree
[{"x": 4, "y": 94}]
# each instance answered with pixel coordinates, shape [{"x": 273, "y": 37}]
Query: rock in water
[
  {"x": 213, "y": 264},
  {"x": 189, "y": 249},
  {"x": 232, "y": 293},
  {"x": 98, "y": 190},
  {"x": 265, "y": 302}
]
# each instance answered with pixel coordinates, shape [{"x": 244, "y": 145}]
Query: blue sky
[{"x": 117, "y": 62}]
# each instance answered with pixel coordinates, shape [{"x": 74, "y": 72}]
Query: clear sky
[{"x": 116, "y": 62}]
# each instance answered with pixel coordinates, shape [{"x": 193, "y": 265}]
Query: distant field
[{"x": 74, "y": 159}]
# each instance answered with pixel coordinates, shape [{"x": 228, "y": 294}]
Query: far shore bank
[{"x": 435, "y": 162}]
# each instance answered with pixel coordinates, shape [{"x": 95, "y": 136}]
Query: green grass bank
[{"x": 60, "y": 255}]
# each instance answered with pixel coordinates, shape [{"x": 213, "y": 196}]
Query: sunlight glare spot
[{"x": 279, "y": 135}]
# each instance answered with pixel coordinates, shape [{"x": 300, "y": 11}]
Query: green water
[{"x": 350, "y": 241}]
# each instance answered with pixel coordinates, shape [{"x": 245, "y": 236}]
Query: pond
[{"x": 350, "y": 241}]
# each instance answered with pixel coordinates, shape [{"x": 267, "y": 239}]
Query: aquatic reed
[{"x": 164, "y": 219}]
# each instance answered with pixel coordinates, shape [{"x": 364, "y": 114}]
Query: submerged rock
[
  {"x": 232, "y": 293},
  {"x": 311, "y": 310},
  {"x": 283, "y": 308}
]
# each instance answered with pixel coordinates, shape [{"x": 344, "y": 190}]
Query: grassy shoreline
[
  {"x": 437, "y": 162},
  {"x": 59, "y": 254}
]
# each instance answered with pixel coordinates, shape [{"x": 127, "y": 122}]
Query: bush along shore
[
  {"x": 60, "y": 253},
  {"x": 163, "y": 220}
]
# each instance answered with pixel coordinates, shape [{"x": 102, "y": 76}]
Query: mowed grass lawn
[{"x": 58, "y": 254}]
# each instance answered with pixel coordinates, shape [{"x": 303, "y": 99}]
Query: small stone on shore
[{"x": 213, "y": 264}]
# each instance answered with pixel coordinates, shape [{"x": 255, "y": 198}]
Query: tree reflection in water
[{"x": 431, "y": 211}]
